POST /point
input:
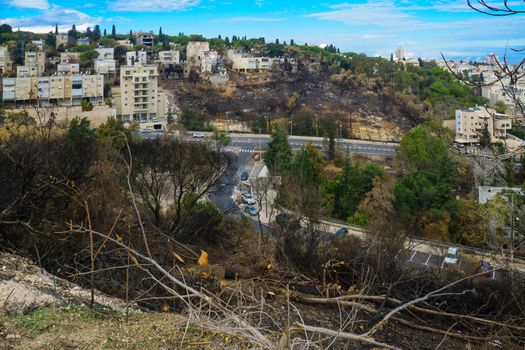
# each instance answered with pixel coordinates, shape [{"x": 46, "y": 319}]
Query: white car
[
  {"x": 198, "y": 135},
  {"x": 451, "y": 258},
  {"x": 248, "y": 199}
]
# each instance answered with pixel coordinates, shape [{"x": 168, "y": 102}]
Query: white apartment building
[
  {"x": 36, "y": 60},
  {"x": 139, "y": 98},
  {"x": 69, "y": 57},
  {"x": 209, "y": 61},
  {"x": 470, "y": 123},
  {"x": 136, "y": 58},
  {"x": 106, "y": 53},
  {"x": 61, "y": 39},
  {"x": 195, "y": 50},
  {"x": 26, "y": 72},
  {"x": 55, "y": 90},
  {"x": 6, "y": 65},
  {"x": 509, "y": 95},
  {"x": 144, "y": 38},
  {"x": 169, "y": 57},
  {"x": 39, "y": 44},
  {"x": 68, "y": 68}
]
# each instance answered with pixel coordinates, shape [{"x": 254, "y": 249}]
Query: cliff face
[{"x": 363, "y": 109}]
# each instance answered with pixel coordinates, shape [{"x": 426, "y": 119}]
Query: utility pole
[{"x": 512, "y": 226}]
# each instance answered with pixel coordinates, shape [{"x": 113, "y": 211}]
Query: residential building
[
  {"x": 169, "y": 57},
  {"x": 36, "y": 60},
  {"x": 125, "y": 42},
  {"x": 144, "y": 38},
  {"x": 244, "y": 62},
  {"x": 83, "y": 41},
  {"x": 105, "y": 53},
  {"x": 194, "y": 52},
  {"x": 39, "y": 44},
  {"x": 26, "y": 71},
  {"x": 68, "y": 68},
  {"x": 139, "y": 98},
  {"x": 69, "y": 57},
  {"x": 486, "y": 193},
  {"x": 106, "y": 67},
  {"x": 400, "y": 54},
  {"x": 470, "y": 123},
  {"x": 54, "y": 90},
  {"x": 61, "y": 40},
  {"x": 511, "y": 96},
  {"x": 492, "y": 58},
  {"x": 209, "y": 61},
  {"x": 6, "y": 65},
  {"x": 136, "y": 58}
]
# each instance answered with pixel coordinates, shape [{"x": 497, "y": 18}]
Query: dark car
[
  {"x": 244, "y": 176},
  {"x": 342, "y": 232}
]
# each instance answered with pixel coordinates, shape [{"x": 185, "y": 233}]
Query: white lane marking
[
  {"x": 412, "y": 257},
  {"x": 426, "y": 262}
]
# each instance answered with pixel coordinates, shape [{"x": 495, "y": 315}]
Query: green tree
[
  {"x": 469, "y": 224},
  {"x": 308, "y": 165},
  {"x": 500, "y": 107},
  {"x": 95, "y": 36},
  {"x": 114, "y": 132},
  {"x": 331, "y": 146},
  {"x": 113, "y": 31},
  {"x": 278, "y": 156},
  {"x": 6, "y": 28},
  {"x": 485, "y": 139}
]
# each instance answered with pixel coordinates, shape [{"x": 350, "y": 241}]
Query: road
[{"x": 248, "y": 143}]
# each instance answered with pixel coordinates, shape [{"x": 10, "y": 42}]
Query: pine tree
[
  {"x": 219, "y": 37},
  {"x": 56, "y": 28},
  {"x": 277, "y": 41},
  {"x": 391, "y": 57},
  {"x": 292, "y": 42},
  {"x": 105, "y": 32},
  {"x": 96, "y": 33},
  {"x": 113, "y": 31}
]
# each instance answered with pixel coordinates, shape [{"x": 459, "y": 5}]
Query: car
[
  {"x": 342, "y": 232},
  {"x": 485, "y": 266},
  {"x": 198, "y": 135},
  {"x": 244, "y": 176},
  {"x": 248, "y": 199},
  {"x": 251, "y": 209},
  {"x": 451, "y": 258}
]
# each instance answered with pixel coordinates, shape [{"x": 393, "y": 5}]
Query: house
[
  {"x": 195, "y": 52},
  {"x": 68, "y": 68},
  {"x": 70, "y": 57},
  {"x": 470, "y": 122},
  {"x": 6, "y": 65},
  {"x": 35, "y": 61},
  {"x": 105, "y": 62},
  {"x": 125, "y": 42},
  {"x": 169, "y": 57},
  {"x": 61, "y": 40},
  {"x": 209, "y": 61},
  {"x": 511, "y": 96},
  {"x": 136, "y": 58},
  {"x": 39, "y": 44},
  {"x": 486, "y": 193},
  {"x": 105, "y": 53},
  {"x": 143, "y": 38}
]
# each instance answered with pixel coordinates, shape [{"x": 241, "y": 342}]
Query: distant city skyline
[{"x": 423, "y": 28}]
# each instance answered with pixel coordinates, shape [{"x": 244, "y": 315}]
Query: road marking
[
  {"x": 426, "y": 262},
  {"x": 412, "y": 257}
]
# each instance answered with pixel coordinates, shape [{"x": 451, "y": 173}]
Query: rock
[{"x": 19, "y": 297}]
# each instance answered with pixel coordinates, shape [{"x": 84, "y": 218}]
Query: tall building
[
  {"x": 36, "y": 61},
  {"x": 105, "y": 63},
  {"x": 400, "y": 54},
  {"x": 139, "y": 98},
  {"x": 144, "y": 38},
  {"x": 195, "y": 52},
  {"x": 169, "y": 57},
  {"x": 68, "y": 90},
  {"x": 6, "y": 65}
]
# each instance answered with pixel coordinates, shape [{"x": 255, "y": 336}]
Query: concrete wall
[{"x": 97, "y": 116}]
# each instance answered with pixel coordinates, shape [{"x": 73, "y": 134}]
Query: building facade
[
  {"x": 36, "y": 60},
  {"x": 69, "y": 57},
  {"x": 68, "y": 90},
  {"x": 194, "y": 52},
  {"x": 470, "y": 123},
  {"x": 169, "y": 57},
  {"x": 68, "y": 68},
  {"x": 139, "y": 98},
  {"x": 144, "y": 38},
  {"x": 136, "y": 58},
  {"x": 6, "y": 65},
  {"x": 61, "y": 40}
]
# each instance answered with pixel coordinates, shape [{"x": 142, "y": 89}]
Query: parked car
[
  {"x": 248, "y": 199},
  {"x": 451, "y": 258},
  {"x": 251, "y": 209},
  {"x": 198, "y": 135},
  {"x": 342, "y": 232},
  {"x": 485, "y": 266},
  {"x": 244, "y": 176}
]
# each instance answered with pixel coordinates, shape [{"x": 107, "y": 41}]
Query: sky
[{"x": 424, "y": 28}]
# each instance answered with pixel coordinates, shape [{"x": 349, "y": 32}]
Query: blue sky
[{"x": 422, "y": 28}]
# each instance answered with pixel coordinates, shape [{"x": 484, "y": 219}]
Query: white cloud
[
  {"x": 31, "y": 4},
  {"x": 46, "y": 21},
  {"x": 152, "y": 5}
]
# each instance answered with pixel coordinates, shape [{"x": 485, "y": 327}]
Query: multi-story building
[
  {"x": 125, "y": 43},
  {"x": 139, "y": 98},
  {"x": 244, "y": 62},
  {"x": 470, "y": 123},
  {"x": 194, "y": 52},
  {"x": 36, "y": 60},
  {"x": 105, "y": 62},
  {"x": 26, "y": 71},
  {"x": 400, "y": 54},
  {"x": 136, "y": 58},
  {"x": 144, "y": 38},
  {"x": 169, "y": 57},
  {"x": 68, "y": 68},
  {"x": 209, "y": 61},
  {"x": 55, "y": 90},
  {"x": 38, "y": 43},
  {"x": 61, "y": 40},
  {"x": 106, "y": 53},
  {"x": 511, "y": 96},
  {"x": 70, "y": 57},
  {"x": 6, "y": 65}
]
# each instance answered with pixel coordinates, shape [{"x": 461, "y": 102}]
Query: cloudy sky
[{"x": 423, "y": 28}]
